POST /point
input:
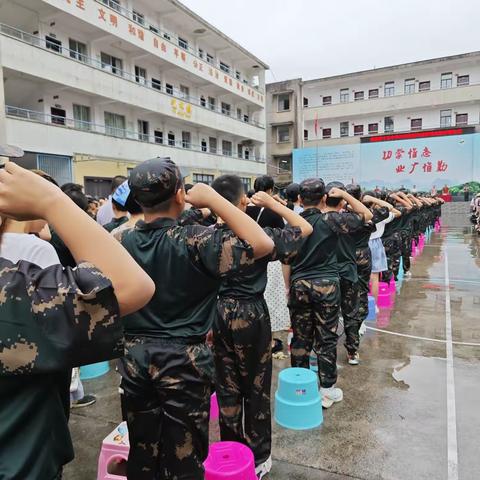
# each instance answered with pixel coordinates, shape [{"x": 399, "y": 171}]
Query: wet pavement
[{"x": 410, "y": 410}]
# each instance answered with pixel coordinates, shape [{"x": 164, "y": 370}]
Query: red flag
[{"x": 315, "y": 125}]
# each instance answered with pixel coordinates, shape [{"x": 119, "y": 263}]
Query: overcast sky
[{"x": 316, "y": 38}]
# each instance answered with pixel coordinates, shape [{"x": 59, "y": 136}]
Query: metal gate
[{"x": 57, "y": 166}]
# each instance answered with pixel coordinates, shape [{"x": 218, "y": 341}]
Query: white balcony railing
[
  {"x": 113, "y": 70},
  {"x": 114, "y": 131}
]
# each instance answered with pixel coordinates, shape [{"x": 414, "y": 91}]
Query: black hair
[
  {"x": 67, "y": 187},
  {"x": 263, "y": 183},
  {"x": 119, "y": 206},
  {"x": 333, "y": 201},
  {"x": 77, "y": 196},
  {"x": 229, "y": 187},
  {"x": 354, "y": 190},
  {"x": 187, "y": 187},
  {"x": 250, "y": 193},
  {"x": 292, "y": 192},
  {"x": 116, "y": 182}
]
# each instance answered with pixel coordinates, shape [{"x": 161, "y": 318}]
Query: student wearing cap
[
  {"x": 242, "y": 338},
  {"x": 292, "y": 193},
  {"x": 315, "y": 289},
  {"x": 167, "y": 369},
  {"x": 124, "y": 198}
]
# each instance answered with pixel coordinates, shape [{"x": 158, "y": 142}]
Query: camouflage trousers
[
  {"x": 393, "y": 252},
  {"x": 364, "y": 270},
  {"x": 167, "y": 387},
  {"x": 242, "y": 346},
  {"x": 406, "y": 250},
  {"x": 314, "y": 311},
  {"x": 349, "y": 307}
]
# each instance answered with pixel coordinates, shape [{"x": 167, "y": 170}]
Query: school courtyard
[{"x": 410, "y": 410}]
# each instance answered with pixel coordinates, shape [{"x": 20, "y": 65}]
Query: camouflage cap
[
  {"x": 312, "y": 189},
  {"x": 331, "y": 185},
  {"x": 155, "y": 181}
]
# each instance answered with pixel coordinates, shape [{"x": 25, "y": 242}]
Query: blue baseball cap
[{"x": 121, "y": 194}]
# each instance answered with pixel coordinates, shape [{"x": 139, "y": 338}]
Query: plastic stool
[
  {"x": 115, "y": 448},
  {"x": 383, "y": 318},
  {"x": 372, "y": 314},
  {"x": 229, "y": 460},
  {"x": 298, "y": 404},
  {"x": 384, "y": 298},
  {"x": 95, "y": 370},
  {"x": 392, "y": 285},
  {"x": 214, "y": 410},
  {"x": 313, "y": 362}
]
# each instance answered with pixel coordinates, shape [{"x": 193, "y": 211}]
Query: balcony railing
[
  {"x": 118, "y": 132},
  {"x": 111, "y": 69}
]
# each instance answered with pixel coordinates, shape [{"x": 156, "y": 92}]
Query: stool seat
[
  {"x": 115, "y": 449},
  {"x": 95, "y": 370},
  {"x": 229, "y": 460},
  {"x": 384, "y": 295}
]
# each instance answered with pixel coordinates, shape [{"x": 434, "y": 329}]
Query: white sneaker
[
  {"x": 353, "y": 359},
  {"x": 264, "y": 468},
  {"x": 330, "y": 396},
  {"x": 408, "y": 274},
  {"x": 363, "y": 329}
]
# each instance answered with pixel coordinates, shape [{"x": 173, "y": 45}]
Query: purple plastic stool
[
  {"x": 384, "y": 295},
  {"x": 229, "y": 460},
  {"x": 214, "y": 411},
  {"x": 392, "y": 285}
]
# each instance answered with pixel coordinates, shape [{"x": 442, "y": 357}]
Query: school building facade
[
  {"x": 405, "y": 100},
  {"x": 89, "y": 88}
]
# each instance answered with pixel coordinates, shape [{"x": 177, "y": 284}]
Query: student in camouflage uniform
[
  {"x": 242, "y": 337},
  {"x": 167, "y": 370},
  {"x": 315, "y": 289},
  {"x": 52, "y": 320}
]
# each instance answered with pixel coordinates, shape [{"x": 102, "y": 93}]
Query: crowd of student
[{"x": 177, "y": 292}]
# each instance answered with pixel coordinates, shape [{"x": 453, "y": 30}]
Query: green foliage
[{"x": 458, "y": 189}]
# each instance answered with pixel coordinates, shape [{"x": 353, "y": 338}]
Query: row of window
[
  {"x": 446, "y": 81},
  {"x": 208, "y": 179},
  {"x": 461, "y": 119}
]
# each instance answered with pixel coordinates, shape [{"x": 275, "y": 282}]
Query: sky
[{"x": 317, "y": 38}]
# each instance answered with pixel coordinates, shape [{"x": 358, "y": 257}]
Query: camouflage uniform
[
  {"x": 392, "y": 241},
  {"x": 50, "y": 321},
  {"x": 315, "y": 292},
  {"x": 242, "y": 341}
]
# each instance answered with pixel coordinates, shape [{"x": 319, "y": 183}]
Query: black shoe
[
  {"x": 86, "y": 401},
  {"x": 277, "y": 345}
]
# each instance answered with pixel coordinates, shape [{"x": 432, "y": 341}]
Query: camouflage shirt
[
  {"x": 318, "y": 256},
  {"x": 186, "y": 263},
  {"x": 50, "y": 321},
  {"x": 395, "y": 225}
]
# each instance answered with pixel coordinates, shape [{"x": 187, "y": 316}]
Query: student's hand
[
  {"x": 280, "y": 200},
  {"x": 201, "y": 196},
  {"x": 25, "y": 195},
  {"x": 336, "y": 193},
  {"x": 263, "y": 200}
]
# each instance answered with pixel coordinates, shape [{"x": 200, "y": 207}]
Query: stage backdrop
[{"x": 423, "y": 162}]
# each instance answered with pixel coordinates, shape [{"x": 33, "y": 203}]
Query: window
[
  {"x": 166, "y": 36},
  {"x": 246, "y": 154},
  {"x": 246, "y": 118},
  {"x": 156, "y": 84},
  {"x": 58, "y": 116},
  {"x": 78, "y": 50},
  {"x": 158, "y": 134},
  {"x": 463, "y": 80},
  {"x": 358, "y": 130},
  {"x": 388, "y": 124},
  {"x": 171, "y": 139},
  {"x": 446, "y": 80},
  {"x": 226, "y": 148},
  {"x": 344, "y": 95},
  {"x": 224, "y": 67},
  {"x": 202, "y": 178},
  {"x": 185, "y": 91},
  {"x": 140, "y": 75},
  {"x": 326, "y": 133},
  {"x": 344, "y": 129},
  {"x": 143, "y": 130},
  {"x": 201, "y": 53},
  {"x": 211, "y": 103},
  {"x": 138, "y": 17},
  {"x": 203, "y": 145},
  {"x": 284, "y": 102},
  {"x": 226, "y": 108},
  {"x": 247, "y": 183},
  {"x": 283, "y": 134},
  {"x": 153, "y": 29},
  {"x": 305, "y": 102},
  {"x": 115, "y": 4},
  {"x": 203, "y": 101},
  {"x": 327, "y": 100},
  {"x": 210, "y": 59},
  {"x": 114, "y": 124},
  {"x": 424, "y": 86},
  {"x": 212, "y": 144},
  {"x": 182, "y": 43},
  {"x": 409, "y": 86},
  {"x": 186, "y": 140},
  {"x": 239, "y": 150},
  {"x": 238, "y": 75},
  {"x": 372, "y": 128},
  {"x": 416, "y": 124},
  {"x": 373, "y": 93},
  {"x": 445, "y": 118},
  {"x": 111, "y": 64},
  {"x": 461, "y": 119},
  {"x": 359, "y": 96},
  {"x": 81, "y": 115},
  {"x": 53, "y": 44},
  {"x": 305, "y": 134},
  {"x": 389, "y": 89},
  {"x": 239, "y": 113},
  {"x": 169, "y": 88}
]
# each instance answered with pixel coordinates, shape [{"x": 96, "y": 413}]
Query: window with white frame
[
  {"x": 305, "y": 134},
  {"x": 211, "y": 103},
  {"x": 140, "y": 75},
  {"x": 227, "y": 148},
  {"x": 445, "y": 118},
  {"x": 358, "y": 130},
  {"x": 461, "y": 119},
  {"x": 446, "y": 80},
  {"x": 203, "y": 178},
  {"x": 182, "y": 43},
  {"x": 389, "y": 89},
  {"x": 114, "y": 124},
  {"x": 344, "y": 95},
  {"x": 115, "y": 4},
  {"x": 388, "y": 124},
  {"x": 284, "y": 102},
  {"x": 226, "y": 108},
  {"x": 424, "y": 86},
  {"x": 409, "y": 86},
  {"x": 169, "y": 88},
  {"x": 143, "y": 130},
  {"x": 327, "y": 100},
  {"x": 158, "y": 135},
  {"x": 463, "y": 80},
  {"x": 112, "y": 64},
  {"x": 186, "y": 140},
  {"x": 283, "y": 134},
  {"x": 185, "y": 92},
  {"x": 81, "y": 116},
  {"x": 305, "y": 102},
  {"x": 344, "y": 129},
  {"x": 171, "y": 139},
  {"x": 326, "y": 133},
  {"x": 78, "y": 50},
  {"x": 373, "y": 93},
  {"x": 416, "y": 124},
  {"x": 372, "y": 128},
  {"x": 138, "y": 17},
  {"x": 212, "y": 144},
  {"x": 359, "y": 96},
  {"x": 224, "y": 67},
  {"x": 156, "y": 84},
  {"x": 247, "y": 183}
]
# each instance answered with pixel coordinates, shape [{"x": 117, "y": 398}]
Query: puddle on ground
[{"x": 411, "y": 373}]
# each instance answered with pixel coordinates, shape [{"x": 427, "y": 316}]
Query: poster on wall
[{"x": 339, "y": 163}]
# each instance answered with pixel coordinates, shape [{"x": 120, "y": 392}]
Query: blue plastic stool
[
  {"x": 95, "y": 370},
  {"x": 298, "y": 404},
  {"x": 372, "y": 314}
]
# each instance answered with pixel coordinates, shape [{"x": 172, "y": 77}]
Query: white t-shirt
[
  {"x": 23, "y": 246},
  {"x": 381, "y": 227}
]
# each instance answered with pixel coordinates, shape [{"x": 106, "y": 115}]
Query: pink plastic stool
[
  {"x": 214, "y": 411},
  {"x": 115, "y": 448},
  {"x": 384, "y": 295},
  {"x": 392, "y": 285},
  {"x": 229, "y": 460}
]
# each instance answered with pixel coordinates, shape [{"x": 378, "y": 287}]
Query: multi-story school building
[
  {"x": 90, "y": 87},
  {"x": 403, "y": 100}
]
